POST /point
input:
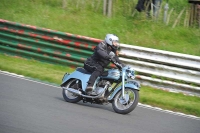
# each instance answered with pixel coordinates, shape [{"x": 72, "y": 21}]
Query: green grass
[
  {"x": 54, "y": 73},
  {"x": 33, "y": 68},
  {"x": 88, "y": 20},
  {"x": 172, "y": 101}
]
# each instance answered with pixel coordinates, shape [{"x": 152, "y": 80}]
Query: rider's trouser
[{"x": 95, "y": 68}]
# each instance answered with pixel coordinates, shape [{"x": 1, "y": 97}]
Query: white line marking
[
  {"x": 168, "y": 111},
  {"x": 24, "y": 78},
  {"x": 139, "y": 104}
]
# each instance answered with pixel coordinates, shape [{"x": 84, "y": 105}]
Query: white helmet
[{"x": 110, "y": 38}]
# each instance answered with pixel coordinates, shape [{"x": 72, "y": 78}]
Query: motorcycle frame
[{"x": 85, "y": 77}]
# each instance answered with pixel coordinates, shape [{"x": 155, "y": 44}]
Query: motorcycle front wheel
[
  {"x": 128, "y": 103},
  {"x": 71, "y": 97}
]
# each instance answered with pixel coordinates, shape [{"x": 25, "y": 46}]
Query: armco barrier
[
  {"x": 44, "y": 44},
  {"x": 166, "y": 70}
]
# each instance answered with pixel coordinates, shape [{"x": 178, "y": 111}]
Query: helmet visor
[{"x": 116, "y": 43}]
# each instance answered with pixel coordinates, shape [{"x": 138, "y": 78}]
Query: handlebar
[{"x": 116, "y": 63}]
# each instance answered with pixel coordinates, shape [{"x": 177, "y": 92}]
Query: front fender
[{"x": 131, "y": 84}]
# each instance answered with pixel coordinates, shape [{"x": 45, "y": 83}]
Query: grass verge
[
  {"x": 54, "y": 73},
  {"x": 86, "y": 18}
]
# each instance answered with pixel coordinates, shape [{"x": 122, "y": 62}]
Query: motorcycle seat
[{"x": 82, "y": 70}]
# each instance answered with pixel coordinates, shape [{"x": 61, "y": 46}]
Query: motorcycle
[{"x": 116, "y": 86}]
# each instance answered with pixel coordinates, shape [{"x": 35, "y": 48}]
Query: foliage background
[{"x": 85, "y": 17}]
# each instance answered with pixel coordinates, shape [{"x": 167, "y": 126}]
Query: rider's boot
[{"x": 89, "y": 88}]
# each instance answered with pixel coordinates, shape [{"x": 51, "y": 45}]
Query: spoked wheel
[
  {"x": 71, "y": 97},
  {"x": 128, "y": 103}
]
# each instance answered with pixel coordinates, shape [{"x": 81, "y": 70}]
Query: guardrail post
[
  {"x": 194, "y": 19},
  {"x": 166, "y": 8},
  {"x": 107, "y": 8}
]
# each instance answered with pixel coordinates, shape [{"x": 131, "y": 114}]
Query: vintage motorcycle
[{"x": 115, "y": 86}]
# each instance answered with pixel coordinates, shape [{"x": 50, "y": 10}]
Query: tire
[
  {"x": 68, "y": 96},
  {"x": 127, "y": 107}
]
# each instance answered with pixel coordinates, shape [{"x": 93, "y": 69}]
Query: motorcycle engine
[
  {"x": 100, "y": 87},
  {"x": 99, "y": 90},
  {"x": 102, "y": 83}
]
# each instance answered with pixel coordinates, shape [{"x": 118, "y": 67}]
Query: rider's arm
[
  {"x": 102, "y": 51},
  {"x": 117, "y": 60}
]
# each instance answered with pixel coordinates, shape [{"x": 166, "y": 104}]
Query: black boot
[{"x": 89, "y": 88}]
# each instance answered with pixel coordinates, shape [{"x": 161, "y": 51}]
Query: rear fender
[{"x": 76, "y": 75}]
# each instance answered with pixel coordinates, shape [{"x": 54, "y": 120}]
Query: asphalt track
[{"x": 28, "y": 106}]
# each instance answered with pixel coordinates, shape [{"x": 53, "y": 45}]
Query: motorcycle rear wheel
[
  {"x": 125, "y": 107},
  {"x": 68, "y": 96}
]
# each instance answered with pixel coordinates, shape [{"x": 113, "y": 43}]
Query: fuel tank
[{"x": 112, "y": 74}]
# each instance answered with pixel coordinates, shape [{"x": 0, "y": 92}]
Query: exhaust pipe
[{"x": 77, "y": 92}]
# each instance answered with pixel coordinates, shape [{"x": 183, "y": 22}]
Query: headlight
[
  {"x": 132, "y": 76},
  {"x": 131, "y": 73}
]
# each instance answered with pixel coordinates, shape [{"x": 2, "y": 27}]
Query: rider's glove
[{"x": 119, "y": 66}]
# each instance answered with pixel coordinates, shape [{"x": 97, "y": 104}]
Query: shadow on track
[{"x": 89, "y": 105}]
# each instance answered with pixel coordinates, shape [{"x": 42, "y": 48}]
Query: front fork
[{"x": 123, "y": 83}]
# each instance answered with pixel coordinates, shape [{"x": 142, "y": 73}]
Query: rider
[{"x": 104, "y": 53}]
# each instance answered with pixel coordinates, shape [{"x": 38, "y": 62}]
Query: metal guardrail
[
  {"x": 163, "y": 69},
  {"x": 44, "y": 44},
  {"x": 166, "y": 70}
]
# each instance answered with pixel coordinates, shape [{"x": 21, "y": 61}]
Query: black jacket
[
  {"x": 142, "y": 3},
  {"x": 101, "y": 54}
]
